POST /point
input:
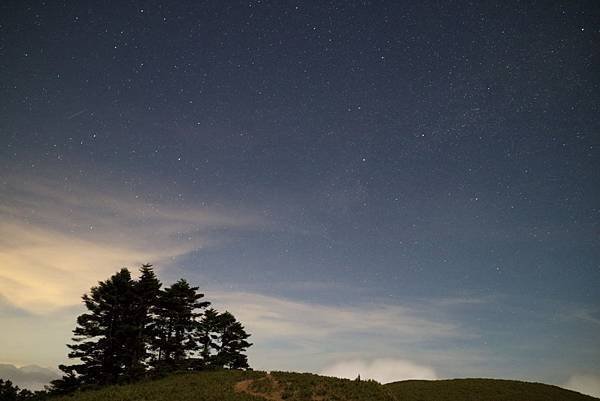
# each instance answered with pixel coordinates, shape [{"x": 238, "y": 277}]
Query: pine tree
[
  {"x": 102, "y": 338},
  {"x": 178, "y": 307},
  {"x": 131, "y": 325},
  {"x": 66, "y": 384},
  {"x": 231, "y": 343},
  {"x": 146, "y": 291},
  {"x": 207, "y": 337},
  {"x": 8, "y": 392}
]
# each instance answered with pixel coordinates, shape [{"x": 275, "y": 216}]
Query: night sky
[{"x": 355, "y": 180}]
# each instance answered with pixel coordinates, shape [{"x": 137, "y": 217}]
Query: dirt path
[{"x": 275, "y": 395}]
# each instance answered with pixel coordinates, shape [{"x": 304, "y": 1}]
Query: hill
[
  {"x": 282, "y": 386},
  {"x": 481, "y": 389}
]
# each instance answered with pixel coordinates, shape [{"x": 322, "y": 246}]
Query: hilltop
[
  {"x": 283, "y": 386},
  {"x": 481, "y": 389}
]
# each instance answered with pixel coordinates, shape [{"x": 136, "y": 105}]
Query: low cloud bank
[
  {"x": 585, "y": 384},
  {"x": 32, "y": 377},
  {"x": 384, "y": 370}
]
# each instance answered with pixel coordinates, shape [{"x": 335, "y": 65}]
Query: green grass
[
  {"x": 204, "y": 386},
  {"x": 480, "y": 390},
  {"x": 309, "y": 387},
  {"x": 219, "y": 386}
]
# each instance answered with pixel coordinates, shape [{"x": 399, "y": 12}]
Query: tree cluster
[
  {"x": 134, "y": 328},
  {"x": 10, "y": 392}
]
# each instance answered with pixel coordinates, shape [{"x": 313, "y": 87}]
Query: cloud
[
  {"x": 58, "y": 240},
  {"x": 307, "y": 336},
  {"x": 586, "y": 384},
  {"x": 384, "y": 370},
  {"x": 8, "y": 310},
  {"x": 32, "y": 377},
  {"x": 587, "y": 315},
  {"x": 279, "y": 317}
]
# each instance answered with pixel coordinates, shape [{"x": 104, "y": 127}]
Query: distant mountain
[
  {"x": 283, "y": 386},
  {"x": 32, "y": 377}
]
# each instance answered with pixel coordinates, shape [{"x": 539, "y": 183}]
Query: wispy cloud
[
  {"x": 57, "y": 240},
  {"x": 295, "y": 335},
  {"x": 586, "y": 315},
  {"x": 8, "y": 310},
  {"x": 280, "y": 317}
]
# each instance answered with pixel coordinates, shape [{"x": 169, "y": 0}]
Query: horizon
[{"x": 410, "y": 190}]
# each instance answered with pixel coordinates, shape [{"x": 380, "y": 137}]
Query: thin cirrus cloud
[
  {"x": 280, "y": 317},
  {"x": 57, "y": 240},
  {"x": 304, "y": 336}
]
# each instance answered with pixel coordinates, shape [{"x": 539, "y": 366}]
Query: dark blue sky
[{"x": 388, "y": 153}]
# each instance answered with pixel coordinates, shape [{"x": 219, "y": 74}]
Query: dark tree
[
  {"x": 232, "y": 343},
  {"x": 103, "y": 335},
  {"x": 177, "y": 310},
  {"x": 132, "y": 326},
  {"x": 221, "y": 342},
  {"x": 66, "y": 384},
  {"x": 207, "y": 337},
  {"x": 146, "y": 292},
  {"x": 8, "y": 392}
]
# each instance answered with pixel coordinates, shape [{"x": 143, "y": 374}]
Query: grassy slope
[
  {"x": 205, "y": 386},
  {"x": 310, "y": 387},
  {"x": 219, "y": 386},
  {"x": 481, "y": 390}
]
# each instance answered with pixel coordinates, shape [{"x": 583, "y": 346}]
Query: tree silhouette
[
  {"x": 146, "y": 291},
  {"x": 232, "y": 338},
  {"x": 8, "y": 392},
  {"x": 177, "y": 310},
  {"x": 132, "y": 327},
  {"x": 102, "y": 339},
  {"x": 66, "y": 384},
  {"x": 207, "y": 337}
]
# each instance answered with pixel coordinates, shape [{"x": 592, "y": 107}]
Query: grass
[
  {"x": 310, "y": 387},
  {"x": 480, "y": 390},
  {"x": 285, "y": 386},
  {"x": 204, "y": 386}
]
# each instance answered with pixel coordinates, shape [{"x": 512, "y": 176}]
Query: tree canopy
[{"x": 133, "y": 328}]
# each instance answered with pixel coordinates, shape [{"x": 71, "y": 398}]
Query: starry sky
[{"x": 411, "y": 185}]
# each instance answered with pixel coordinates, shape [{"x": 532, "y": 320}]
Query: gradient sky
[{"x": 355, "y": 180}]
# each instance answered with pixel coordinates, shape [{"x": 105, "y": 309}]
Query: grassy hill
[
  {"x": 282, "y": 386},
  {"x": 480, "y": 390}
]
